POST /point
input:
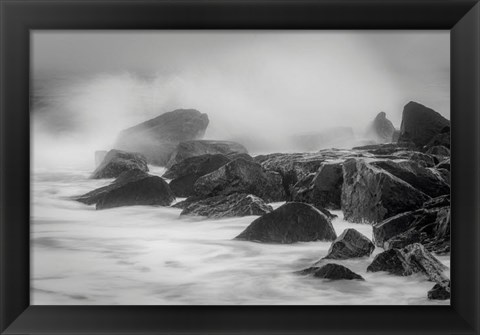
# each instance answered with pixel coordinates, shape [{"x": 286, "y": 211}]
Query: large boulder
[
  {"x": 350, "y": 244},
  {"x": 290, "y": 223},
  {"x": 241, "y": 176},
  {"x": 382, "y": 128},
  {"x": 189, "y": 149},
  {"x": 423, "y": 179},
  {"x": 439, "y": 292},
  {"x": 371, "y": 194},
  {"x": 158, "y": 138},
  {"x": 292, "y": 167},
  {"x": 409, "y": 260},
  {"x": 116, "y": 162},
  {"x": 129, "y": 189},
  {"x": 233, "y": 205},
  {"x": 327, "y": 185},
  {"x": 431, "y": 224},
  {"x": 322, "y": 189},
  {"x": 421, "y": 124},
  {"x": 331, "y": 271},
  {"x": 186, "y": 173}
]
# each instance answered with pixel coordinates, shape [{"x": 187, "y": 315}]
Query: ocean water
[{"x": 143, "y": 255}]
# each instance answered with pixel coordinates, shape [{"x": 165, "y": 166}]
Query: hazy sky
[{"x": 90, "y": 85}]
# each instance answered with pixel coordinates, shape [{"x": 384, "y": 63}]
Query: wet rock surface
[
  {"x": 234, "y": 205},
  {"x": 115, "y": 162},
  {"x": 290, "y": 223}
]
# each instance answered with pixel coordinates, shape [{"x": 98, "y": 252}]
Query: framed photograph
[{"x": 240, "y": 167}]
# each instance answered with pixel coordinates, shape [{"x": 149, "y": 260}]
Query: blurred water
[{"x": 149, "y": 255}]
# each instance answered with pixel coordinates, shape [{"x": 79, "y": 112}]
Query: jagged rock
[
  {"x": 327, "y": 185},
  {"x": 129, "y": 189},
  {"x": 241, "y": 176},
  {"x": 441, "y": 201},
  {"x": 290, "y": 223},
  {"x": 371, "y": 194},
  {"x": 444, "y": 165},
  {"x": 402, "y": 240},
  {"x": 423, "y": 179},
  {"x": 116, "y": 162},
  {"x": 322, "y": 189},
  {"x": 187, "y": 172},
  {"x": 331, "y": 271},
  {"x": 292, "y": 167},
  {"x": 385, "y": 149},
  {"x": 100, "y": 156},
  {"x": 350, "y": 244},
  {"x": 422, "y": 159},
  {"x": 158, "y": 138},
  {"x": 383, "y": 128},
  {"x": 233, "y": 205},
  {"x": 411, "y": 259},
  {"x": 189, "y": 149},
  {"x": 439, "y": 150},
  {"x": 432, "y": 224},
  {"x": 439, "y": 292},
  {"x": 421, "y": 124}
]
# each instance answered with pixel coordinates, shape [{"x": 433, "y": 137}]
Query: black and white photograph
[{"x": 240, "y": 167}]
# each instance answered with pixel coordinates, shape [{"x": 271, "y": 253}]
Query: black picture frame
[{"x": 18, "y": 17}]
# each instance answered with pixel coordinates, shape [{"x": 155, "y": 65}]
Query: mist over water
[
  {"x": 265, "y": 90},
  {"x": 257, "y": 88}
]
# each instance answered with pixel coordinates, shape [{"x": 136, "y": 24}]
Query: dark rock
[
  {"x": 422, "y": 159},
  {"x": 302, "y": 190},
  {"x": 391, "y": 261},
  {"x": 100, "y": 156},
  {"x": 383, "y": 128},
  {"x": 432, "y": 224},
  {"x": 189, "y": 149},
  {"x": 442, "y": 139},
  {"x": 116, "y": 162},
  {"x": 441, "y": 201},
  {"x": 439, "y": 150},
  {"x": 292, "y": 167},
  {"x": 327, "y": 185},
  {"x": 196, "y": 165},
  {"x": 233, "y": 205},
  {"x": 290, "y": 223},
  {"x": 411, "y": 259},
  {"x": 158, "y": 138},
  {"x": 370, "y": 194},
  {"x": 445, "y": 175},
  {"x": 421, "y": 124},
  {"x": 129, "y": 189},
  {"x": 350, "y": 244},
  {"x": 331, "y": 271},
  {"x": 439, "y": 292},
  {"x": 402, "y": 240},
  {"x": 187, "y": 172},
  {"x": 444, "y": 165},
  {"x": 423, "y": 179},
  {"x": 241, "y": 176}
]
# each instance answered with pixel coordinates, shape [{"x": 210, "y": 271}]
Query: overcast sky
[{"x": 279, "y": 82}]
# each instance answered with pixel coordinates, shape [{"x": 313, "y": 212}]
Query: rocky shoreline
[{"x": 400, "y": 185}]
